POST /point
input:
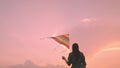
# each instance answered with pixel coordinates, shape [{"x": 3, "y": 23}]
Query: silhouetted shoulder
[
  {"x": 83, "y": 58},
  {"x": 81, "y": 53},
  {"x": 70, "y": 53}
]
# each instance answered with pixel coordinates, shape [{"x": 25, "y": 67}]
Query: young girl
[{"x": 75, "y": 58}]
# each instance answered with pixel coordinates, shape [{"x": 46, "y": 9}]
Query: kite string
[
  {"x": 63, "y": 51},
  {"x": 56, "y": 47}
]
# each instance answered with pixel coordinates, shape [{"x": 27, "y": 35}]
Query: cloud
[
  {"x": 106, "y": 59},
  {"x": 27, "y": 64},
  {"x": 30, "y": 64},
  {"x": 53, "y": 66},
  {"x": 88, "y": 20}
]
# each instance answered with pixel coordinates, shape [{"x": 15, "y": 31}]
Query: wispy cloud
[
  {"x": 88, "y": 20},
  {"x": 30, "y": 64}
]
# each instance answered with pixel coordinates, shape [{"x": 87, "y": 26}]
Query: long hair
[{"x": 75, "y": 51}]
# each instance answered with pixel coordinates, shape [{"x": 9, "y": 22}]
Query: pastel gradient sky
[{"x": 93, "y": 24}]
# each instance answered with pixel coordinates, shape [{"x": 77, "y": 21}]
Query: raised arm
[
  {"x": 69, "y": 61},
  {"x": 64, "y": 59}
]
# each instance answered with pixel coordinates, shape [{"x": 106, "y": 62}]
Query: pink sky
[{"x": 94, "y": 25}]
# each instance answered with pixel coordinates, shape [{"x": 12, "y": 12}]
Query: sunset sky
[{"x": 25, "y": 24}]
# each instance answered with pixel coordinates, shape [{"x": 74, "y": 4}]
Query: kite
[{"x": 63, "y": 39}]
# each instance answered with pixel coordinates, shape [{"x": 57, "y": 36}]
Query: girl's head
[
  {"x": 75, "y": 47},
  {"x": 75, "y": 51}
]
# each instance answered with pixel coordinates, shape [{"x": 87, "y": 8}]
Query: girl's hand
[{"x": 63, "y": 58}]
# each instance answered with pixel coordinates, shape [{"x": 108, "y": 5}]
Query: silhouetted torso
[{"x": 79, "y": 63}]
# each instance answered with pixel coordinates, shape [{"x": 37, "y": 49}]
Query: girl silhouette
[{"x": 75, "y": 58}]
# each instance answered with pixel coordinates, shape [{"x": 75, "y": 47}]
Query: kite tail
[{"x": 45, "y": 38}]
